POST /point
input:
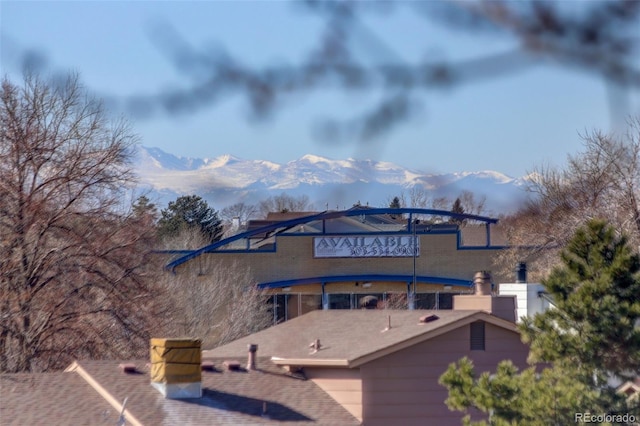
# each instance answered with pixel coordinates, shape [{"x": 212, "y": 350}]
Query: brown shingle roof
[
  {"x": 229, "y": 397},
  {"x": 282, "y": 216},
  {"x": 350, "y": 337},
  {"x": 52, "y": 399}
]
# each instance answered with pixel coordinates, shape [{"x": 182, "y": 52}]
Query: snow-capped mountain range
[{"x": 328, "y": 183}]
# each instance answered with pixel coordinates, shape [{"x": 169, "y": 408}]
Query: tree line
[{"x": 189, "y": 221}]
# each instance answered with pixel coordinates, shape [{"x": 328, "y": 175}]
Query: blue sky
[{"x": 509, "y": 124}]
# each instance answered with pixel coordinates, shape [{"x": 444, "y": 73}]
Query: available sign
[{"x": 365, "y": 246}]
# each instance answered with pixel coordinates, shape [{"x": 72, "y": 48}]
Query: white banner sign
[{"x": 366, "y": 246}]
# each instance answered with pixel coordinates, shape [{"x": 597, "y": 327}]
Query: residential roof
[
  {"x": 52, "y": 398},
  {"x": 350, "y": 337},
  {"x": 229, "y": 397},
  {"x": 281, "y": 216},
  {"x": 630, "y": 386}
]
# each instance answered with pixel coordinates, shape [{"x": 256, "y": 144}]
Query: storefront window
[
  {"x": 339, "y": 301},
  {"x": 426, "y": 301}
]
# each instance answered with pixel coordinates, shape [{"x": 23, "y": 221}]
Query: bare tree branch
[
  {"x": 601, "y": 182},
  {"x": 73, "y": 277}
]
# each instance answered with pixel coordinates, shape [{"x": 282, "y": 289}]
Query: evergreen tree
[
  {"x": 144, "y": 209},
  {"x": 395, "y": 203},
  {"x": 596, "y": 293},
  {"x": 189, "y": 212},
  {"x": 458, "y": 209},
  {"x": 528, "y": 398},
  {"x": 591, "y": 334}
]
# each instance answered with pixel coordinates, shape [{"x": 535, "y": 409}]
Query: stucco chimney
[
  {"x": 251, "y": 361},
  {"x": 501, "y": 306},
  {"x": 175, "y": 367}
]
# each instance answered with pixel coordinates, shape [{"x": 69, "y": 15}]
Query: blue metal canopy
[
  {"x": 365, "y": 278},
  {"x": 282, "y": 226}
]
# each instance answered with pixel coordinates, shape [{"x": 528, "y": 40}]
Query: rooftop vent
[
  {"x": 251, "y": 360},
  {"x": 231, "y": 365},
  {"x": 315, "y": 346},
  {"x": 477, "y": 336},
  {"x": 428, "y": 318},
  {"x": 128, "y": 368},
  {"x": 207, "y": 366}
]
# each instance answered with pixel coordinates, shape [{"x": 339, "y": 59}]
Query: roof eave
[
  {"x": 75, "y": 367},
  {"x": 430, "y": 334},
  {"x": 311, "y": 362},
  {"x": 461, "y": 322}
]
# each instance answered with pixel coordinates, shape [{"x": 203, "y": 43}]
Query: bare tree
[
  {"x": 394, "y": 301},
  {"x": 284, "y": 203},
  {"x": 353, "y": 56},
  {"x": 219, "y": 306},
  {"x": 188, "y": 238},
  {"x": 248, "y": 312},
  {"x": 418, "y": 197},
  {"x": 239, "y": 211},
  {"x": 242, "y": 211},
  {"x": 471, "y": 204},
  {"x": 597, "y": 37},
  {"x": 73, "y": 265},
  {"x": 601, "y": 182}
]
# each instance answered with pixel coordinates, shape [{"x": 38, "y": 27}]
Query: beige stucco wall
[
  {"x": 402, "y": 388},
  {"x": 343, "y": 385},
  {"x": 439, "y": 256},
  {"x": 501, "y": 306}
]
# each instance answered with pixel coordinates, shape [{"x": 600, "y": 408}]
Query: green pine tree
[
  {"x": 551, "y": 396},
  {"x": 395, "y": 203},
  {"x": 143, "y": 208},
  {"x": 457, "y": 208},
  {"x": 591, "y": 334},
  {"x": 596, "y": 293},
  {"x": 190, "y": 211}
]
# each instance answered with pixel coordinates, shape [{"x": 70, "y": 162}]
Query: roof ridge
[{"x": 75, "y": 367}]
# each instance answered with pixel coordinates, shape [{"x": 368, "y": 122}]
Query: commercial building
[{"x": 356, "y": 257}]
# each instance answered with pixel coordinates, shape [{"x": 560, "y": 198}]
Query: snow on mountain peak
[
  {"x": 228, "y": 177},
  {"x": 497, "y": 176},
  {"x": 311, "y": 158},
  {"x": 222, "y": 161}
]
